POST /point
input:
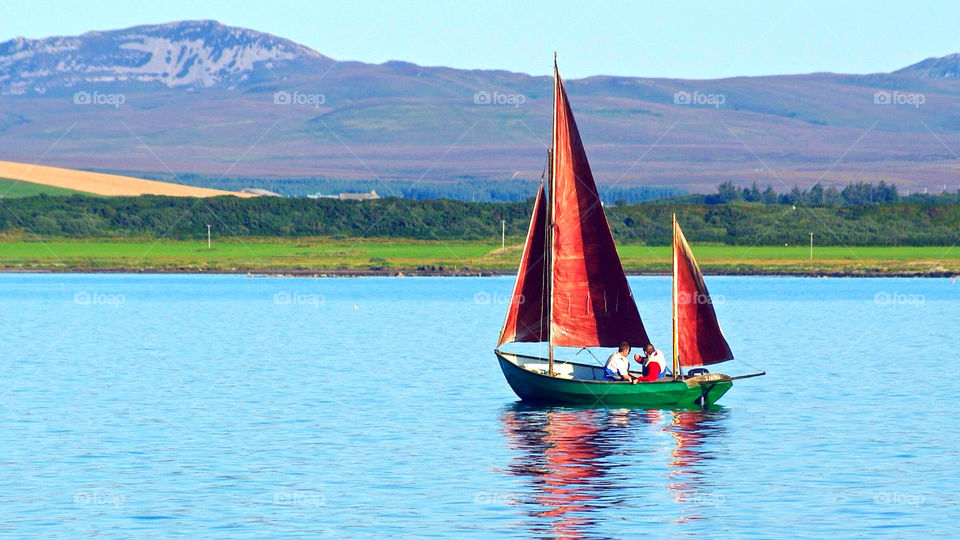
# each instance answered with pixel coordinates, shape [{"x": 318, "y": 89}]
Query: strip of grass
[
  {"x": 19, "y": 188},
  {"x": 320, "y": 254}
]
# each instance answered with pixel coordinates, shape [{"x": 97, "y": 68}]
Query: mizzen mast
[{"x": 676, "y": 338}]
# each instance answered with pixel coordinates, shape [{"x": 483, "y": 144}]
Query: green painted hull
[{"x": 537, "y": 388}]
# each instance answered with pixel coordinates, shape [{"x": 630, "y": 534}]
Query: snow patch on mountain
[{"x": 198, "y": 54}]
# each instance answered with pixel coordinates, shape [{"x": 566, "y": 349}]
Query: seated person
[
  {"x": 617, "y": 367},
  {"x": 654, "y": 364}
]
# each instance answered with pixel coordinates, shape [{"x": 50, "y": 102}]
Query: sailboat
[{"x": 571, "y": 291}]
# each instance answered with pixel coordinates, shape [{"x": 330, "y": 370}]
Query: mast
[
  {"x": 676, "y": 340},
  {"x": 551, "y": 199}
]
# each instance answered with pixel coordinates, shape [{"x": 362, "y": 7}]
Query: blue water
[{"x": 234, "y": 406}]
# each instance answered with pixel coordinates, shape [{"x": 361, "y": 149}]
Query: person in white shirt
[{"x": 617, "y": 367}]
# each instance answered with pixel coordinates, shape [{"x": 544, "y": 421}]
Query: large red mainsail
[
  {"x": 592, "y": 304},
  {"x": 699, "y": 338},
  {"x": 527, "y": 317}
]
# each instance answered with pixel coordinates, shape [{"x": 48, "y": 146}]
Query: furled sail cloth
[
  {"x": 527, "y": 316},
  {"x": 699, "y": 338},
  {"x": 592, "y": 302}
]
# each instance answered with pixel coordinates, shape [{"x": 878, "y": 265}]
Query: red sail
[
  {"x": 699, "y": 339},
  {"x": 527, "y": 317},
  {"x": 592, "y": 302}
]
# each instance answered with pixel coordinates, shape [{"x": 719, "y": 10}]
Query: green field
[
  {"x": 319, "y": 255},
  {"x": 18, "y": 188}
]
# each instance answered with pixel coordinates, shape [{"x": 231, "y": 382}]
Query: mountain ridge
[
  {"x": 202, "y": 97},
  {"x": 943, "y": 67},
  {"x": 186, "y": 53},
  {"x": 221, "y": 40}
]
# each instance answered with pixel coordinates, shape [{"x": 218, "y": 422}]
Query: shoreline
[
  {"x": 278, "y": 272},
  {"x": 380, "y": 258}
]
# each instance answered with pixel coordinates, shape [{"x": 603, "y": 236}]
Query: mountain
[
  {"x": 195, "y": 54},
  {"x": 944, "y": 67},
  {"x": 203, "y": 98}
]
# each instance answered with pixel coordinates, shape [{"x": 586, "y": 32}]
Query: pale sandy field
[{"x": 102, "y": 184}]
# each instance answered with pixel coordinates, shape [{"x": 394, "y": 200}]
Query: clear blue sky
[{"x": 689, "y": 39}]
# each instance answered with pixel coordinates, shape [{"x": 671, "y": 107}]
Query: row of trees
[
  {"x": 858, "y": 193},
  {"x": 750, "y": 224},
  {"x": 466, "y": 189},
  {"x": 470, "y": 189}
]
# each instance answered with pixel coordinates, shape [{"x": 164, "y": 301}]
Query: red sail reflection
[
  {"x": 574, "y": 460},
  {"x": 563, "y": 458}
]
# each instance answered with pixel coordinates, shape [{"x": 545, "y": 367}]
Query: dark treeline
[
  {"x": 459, "y": 189},
  {"x": 469, "y": 189},
  {"x": 737, "y": 223},
  {"x": 852, "y": 194}
]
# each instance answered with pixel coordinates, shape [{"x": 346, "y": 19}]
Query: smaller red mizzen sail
[
  {"x": 528, "y": 315},
  {"x": 700, "y": 341}
]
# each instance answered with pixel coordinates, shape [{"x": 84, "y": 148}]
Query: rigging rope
[
  {"x": 748, "y": 365},
  {"x": 591, "y": 354}
]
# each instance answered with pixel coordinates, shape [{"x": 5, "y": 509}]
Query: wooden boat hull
[{"x": 534, "y": 387}]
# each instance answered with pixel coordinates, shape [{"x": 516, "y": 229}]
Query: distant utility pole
[
  {"x": 503, "y": 234},
  {"x": 811, "y": 246},
  {"x": 208, "y": 236}
]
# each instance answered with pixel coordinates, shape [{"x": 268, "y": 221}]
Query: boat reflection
[{"x": 584, "y": 463}]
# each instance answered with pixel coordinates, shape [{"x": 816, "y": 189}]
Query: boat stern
[{"x": 712, "y": 387}]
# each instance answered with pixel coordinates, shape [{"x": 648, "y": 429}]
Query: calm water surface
[{"x": 235, "y": 406}]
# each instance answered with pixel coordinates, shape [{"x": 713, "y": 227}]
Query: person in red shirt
[{"x": 653, "y": 364}]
